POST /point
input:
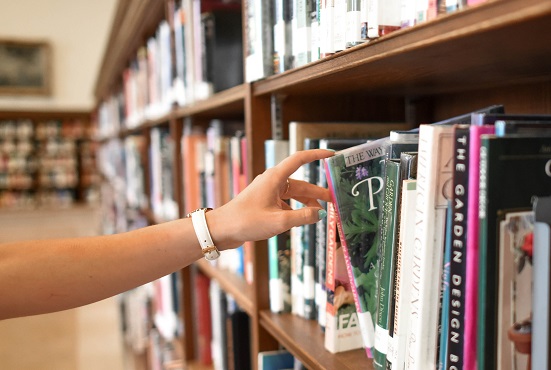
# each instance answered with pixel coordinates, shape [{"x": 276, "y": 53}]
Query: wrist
[
  {"x": 223, "y": 233},
  {"x": 202, "y": 232}
]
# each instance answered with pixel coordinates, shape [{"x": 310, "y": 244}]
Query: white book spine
[
  {"x": 434, "y": 175},
  {"x": 404, "y": 265}
]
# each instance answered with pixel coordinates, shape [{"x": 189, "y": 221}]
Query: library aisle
[{"x": 86, "y": 338}]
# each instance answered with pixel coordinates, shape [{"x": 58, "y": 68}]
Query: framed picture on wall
[{"x": 25, "y": 67}]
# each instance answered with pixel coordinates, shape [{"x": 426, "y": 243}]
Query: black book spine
[{"x": 458, "y": 260}]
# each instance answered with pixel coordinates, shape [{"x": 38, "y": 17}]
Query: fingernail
[{"x": 322, "y": 213}]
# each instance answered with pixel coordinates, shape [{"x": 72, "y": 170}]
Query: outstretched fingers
[{"x": 289, "y": 165}]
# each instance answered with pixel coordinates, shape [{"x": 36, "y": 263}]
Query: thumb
[{"x": 304, "y": 216}]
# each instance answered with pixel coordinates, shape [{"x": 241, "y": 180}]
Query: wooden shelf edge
[
  {"x": 227, "y": 101},
  {"x": 305, "y": 340},
  {"x": 472, "y": 23},
  {"x": 230, "y": 283}
]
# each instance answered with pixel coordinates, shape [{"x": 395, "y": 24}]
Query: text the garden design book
[{"x": 355, "y": 177}]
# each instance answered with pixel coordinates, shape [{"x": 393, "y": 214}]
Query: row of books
[
  {"x": 224, "y": 334},
  {"x": 427, "y": 290},
  {"x": 45, "y": 155},
  {"x": 196, "y": 51},
  {"x": 286, "y": 34},
  {"x": 30, "y": 199},
  {"x": 213, "y": 172},
  {"x": 43, "y": 129}
]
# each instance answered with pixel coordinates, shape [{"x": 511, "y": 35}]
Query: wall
[{"x": 77, "y": 31}]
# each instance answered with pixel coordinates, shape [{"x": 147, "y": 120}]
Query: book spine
[
  {"x": 483, "y": 257},
  {"x": 321, "y": 254},
  {"x": 354, "y": 23},
  {"x": 471, "y": 290},
  {"x": 541, "y": 348},
  {"x": 386, "y": 253},
  {"x": 278, "y": 246},
  {"x": 259, "y": 49},
  {"x": 433, "y": 176},
  {"x": 458, "y": 262},
  {"x": 309, "y": 270},
  {"x": 445, "y": 306},
  {"x": 339, "y": 28},
  {"x": 302, "y": 32},
  {"x": 327, "y": 30},
  {"x": 404, "y": 257}
]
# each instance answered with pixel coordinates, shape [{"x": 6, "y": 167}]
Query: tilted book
[
  {"x": 513, "y": 169},
  {"x": 434, "y": 173},
  {"x": 342, "y": 329},
  {"x": 323, "y": 235},
  {"x": 298, "y": 132},
  {"x": 356, "y": 180}
]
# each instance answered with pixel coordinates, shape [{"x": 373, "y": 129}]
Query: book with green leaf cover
[{"x": 355, "y": 178}]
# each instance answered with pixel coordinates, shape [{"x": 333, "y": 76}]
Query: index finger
[{"x": 289, "y": 165}]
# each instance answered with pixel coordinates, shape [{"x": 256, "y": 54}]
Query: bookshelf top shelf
[
  {"x": 305, "y": 340},
  {"x": 462, "y": 51}
]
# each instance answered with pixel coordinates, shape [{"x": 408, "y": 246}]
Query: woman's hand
[{"x": 260, "y": 211}]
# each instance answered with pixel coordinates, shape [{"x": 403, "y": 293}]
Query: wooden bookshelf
[
  {"x": 234, "y": 285},
  {"x": 473, "y": 49},
  {"x": 495, "y": 53},
  {"x": 72, "y": 126},
  {"x": 304, "y": 339}
]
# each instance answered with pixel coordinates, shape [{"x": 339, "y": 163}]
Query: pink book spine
[{"x": 471, "y": 299}]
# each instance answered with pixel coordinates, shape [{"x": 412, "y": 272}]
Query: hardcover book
[
  {"x": 458, "y": 262},
  {"x": 445, "y": 307},
  {"x": 311, "y": 173},
  {"x": 356, "y": 180},
  {"x": 396, "y": 355},
  {"x": 541, "y": 323},
  {"x": 471, "y": 290},
  {"x": 278, "y": 246},
  {"x": 275, "y": 360},
  {"x": 322, "y": 225},
  {"x": 259, "y": 47},
  {"x": 386, "y": 261},
  {"x": 434, "y": 174},
  {"x": 191, "y": 138},
  {"x": 399, "y": 142},
  {"x": 342, "y": 328},
  {"x": 516, "y": 227},
  {"x": 298, "y": 132},
  {"x": 522, "y": 126},
  {"x": 503, "y": 189}
]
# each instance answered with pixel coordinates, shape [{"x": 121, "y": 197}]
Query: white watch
[{"x": 210, "y": 252}]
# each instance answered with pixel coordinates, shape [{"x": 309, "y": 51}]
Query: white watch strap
[{"x": 203, "y": 235}]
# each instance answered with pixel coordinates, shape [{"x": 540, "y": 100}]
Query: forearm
[{"x": 67, "y": 273}]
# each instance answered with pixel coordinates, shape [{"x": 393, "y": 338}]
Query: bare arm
[{"x": 51, "y": 275}]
